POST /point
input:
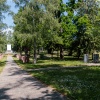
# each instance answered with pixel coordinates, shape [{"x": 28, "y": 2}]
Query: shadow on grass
[
  {"x": 78, "y": 83},
  {"x": 46, "y": 57},
  {"x": 2, "y": 63},
  {"x": 66, "y": 58},
  {"x": 39, "y": 64}
]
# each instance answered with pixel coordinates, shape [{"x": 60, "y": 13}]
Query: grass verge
[
  {"x": 49, "y": 63},
  {"x": 2, "y": 63}
]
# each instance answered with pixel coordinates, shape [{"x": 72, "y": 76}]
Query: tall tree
[
  {"x": 82, "y": 14},
  {"x": 87, "y": 13},
  {"x": 68, "y": 25},
  {"x": 22, "y": 30},
  {"x": 34, "y": 18},
  {"x": 3, "y": 9}
]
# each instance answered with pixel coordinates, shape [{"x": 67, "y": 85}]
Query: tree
[
  {"x": 68, "y": 27},
  {"x": 3, "y": 42},
  {"x": 81, "y": 17},
  {"x": 22, "y": 31},
  {"x": 3, "y": 9},
  {"x": 33, "y": 20},
  {"x": 87, "y": 13}
]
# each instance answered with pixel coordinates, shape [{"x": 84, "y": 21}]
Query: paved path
[{"x": 16, "y": 84}]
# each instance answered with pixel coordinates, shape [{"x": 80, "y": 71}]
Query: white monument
[
  {"x": 9, "y": 50},
  {"x": 8, "y": 47}
]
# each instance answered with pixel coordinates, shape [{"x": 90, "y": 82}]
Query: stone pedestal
[
  {"x": 86, "y": 58},
  {"x": 23, "y": 59}
]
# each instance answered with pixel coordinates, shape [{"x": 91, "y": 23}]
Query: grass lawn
[
  {"x": 76, "y": 83},
  {"x": 2, "y": 63},
  {"x": 50, "y": 63}
]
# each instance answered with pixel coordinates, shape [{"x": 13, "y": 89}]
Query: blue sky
[{"x": 9, "y": 20}]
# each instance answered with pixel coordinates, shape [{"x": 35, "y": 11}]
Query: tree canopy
[
  {"x": 54, "y": 25},
  {"x": 3, "y": 9}
]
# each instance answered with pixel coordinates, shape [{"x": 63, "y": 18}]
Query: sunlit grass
[
  {"x": 2, "y": 63},
  {"x": 77, "y": 83},
  {"x": 45, "y": 63}
]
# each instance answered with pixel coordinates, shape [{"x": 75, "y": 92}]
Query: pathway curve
[{"x": 16, "y": 84}]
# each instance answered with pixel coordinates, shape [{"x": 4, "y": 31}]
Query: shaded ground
[{"x": 16, "y": 84}]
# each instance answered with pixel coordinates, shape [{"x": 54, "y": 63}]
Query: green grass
[
  {"x": 2, "y": 63},
  {"x": 45, "y": 63},
  {"x": 78, "y": 83}
]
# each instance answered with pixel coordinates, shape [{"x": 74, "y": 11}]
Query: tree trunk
[
  {"x": 49, "y": 51},
  {"x": 20, "y": 51},
  {"x": 61, "y": 53},
  {"x": 52, "y": 54},
  {"x": 38, "y": 51},
  {"x": 92, "y": 56},
  {"x": 35, "y": 54},
  {"x": 78, "y": 53},
  {"x": 26, "y": 55},
  {"x": 57, "y": 53},
  {"x": 70, "y": 53}
]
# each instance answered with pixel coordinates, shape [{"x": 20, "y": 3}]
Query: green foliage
[
  {"x": 32, "y": 20},
  {"x": 82, "y": 15},
  {"x": 55, "y": 25},
  {"x": 3, "y": 41},
  {"x": 3, "y": 8}
]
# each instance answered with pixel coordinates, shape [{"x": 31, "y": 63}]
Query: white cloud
[{"x": 8, "y": 29}]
